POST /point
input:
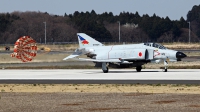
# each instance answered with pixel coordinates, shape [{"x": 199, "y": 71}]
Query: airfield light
[
  {"x": 119, "y": 31},
  {"x": 45, "y": 31},
  {"x": 189, "y": 32}
]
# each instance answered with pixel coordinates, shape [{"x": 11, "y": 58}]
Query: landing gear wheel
[
  {"x": 165, "y": 70},
  {"x": 139, "y": 68},
  {"x": 105, "y": 71}
]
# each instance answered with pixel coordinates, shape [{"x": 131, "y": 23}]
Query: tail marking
[{"x": 83, "y": 41}]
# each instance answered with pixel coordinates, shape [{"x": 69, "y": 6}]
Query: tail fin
[{"x": 87, "y": 41}]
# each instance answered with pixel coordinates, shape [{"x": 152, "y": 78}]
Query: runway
[{"x": 96, "y": 76}]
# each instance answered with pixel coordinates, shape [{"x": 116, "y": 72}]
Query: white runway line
[{"x": 97, "y": 74}]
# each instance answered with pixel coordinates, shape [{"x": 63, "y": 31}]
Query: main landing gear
[{"x": 104, "y": 68}]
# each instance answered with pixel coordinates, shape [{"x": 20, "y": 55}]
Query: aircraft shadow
[
  {"x": 90, "y": 72},
  {"x": 183, "y": 71},
  {"x": 129, "y": 71},
  {"x": 99, "y": 72}
]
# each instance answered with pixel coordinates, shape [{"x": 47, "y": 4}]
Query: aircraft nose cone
[{"x": 180, "y": 55}]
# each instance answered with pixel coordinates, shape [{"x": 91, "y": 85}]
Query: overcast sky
[{"x": 174, "y": 9}]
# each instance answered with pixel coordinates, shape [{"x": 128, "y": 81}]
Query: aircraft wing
[
  {"x": 100, "y": 60},
  {"x": 107, "y": 60},
  {"x": 129, "y": 59},
  {"x": 95, "y": 60}
]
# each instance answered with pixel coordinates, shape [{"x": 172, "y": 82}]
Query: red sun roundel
[{"x": 140, "y": 54}]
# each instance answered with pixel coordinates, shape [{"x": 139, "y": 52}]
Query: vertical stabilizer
[{"x": 87, "y": 41}]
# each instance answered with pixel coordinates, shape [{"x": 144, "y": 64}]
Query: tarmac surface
[{"x": 96, "y": 76}]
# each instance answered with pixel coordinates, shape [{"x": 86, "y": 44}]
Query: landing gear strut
[
  {"x": 138, "y": 68},
  {"x": 104, "y": 68},
  {"x": 166, "y": 65}
]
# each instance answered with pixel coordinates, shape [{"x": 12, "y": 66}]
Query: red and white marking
[{"x": 140, "y": 54}]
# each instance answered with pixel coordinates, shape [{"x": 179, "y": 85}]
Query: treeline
[
  {"x": 32, "y": 24},
  {"x": 103, "y": 27},
  {"x": 155, "y": 27},
  {"x": 193, "y": 17}
]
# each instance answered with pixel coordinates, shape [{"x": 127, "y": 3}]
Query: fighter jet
[{"x": 131, "y": 55}]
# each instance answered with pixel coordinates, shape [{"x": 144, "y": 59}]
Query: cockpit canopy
[{"x": 156, "y": 45}]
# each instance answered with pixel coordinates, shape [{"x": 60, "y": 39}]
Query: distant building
[{"x": 131, "y": 25}]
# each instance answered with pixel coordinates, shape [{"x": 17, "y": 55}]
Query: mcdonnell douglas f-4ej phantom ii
[{"x": 133, "y": 55}]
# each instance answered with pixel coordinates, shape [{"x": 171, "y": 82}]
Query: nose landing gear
[{"x": 166, "y": 65}]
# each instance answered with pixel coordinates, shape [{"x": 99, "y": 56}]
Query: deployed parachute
[{"x": 25, "y": 49}]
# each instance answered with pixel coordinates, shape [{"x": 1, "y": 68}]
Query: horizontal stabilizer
[
  {"x": 77, "y": 52},
  {"x": 70, "y": 56}
]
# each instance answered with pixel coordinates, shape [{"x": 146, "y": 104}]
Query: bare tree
[
  {"x": 32, "y": 24},
  {"x": 166, "y": 37}
]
